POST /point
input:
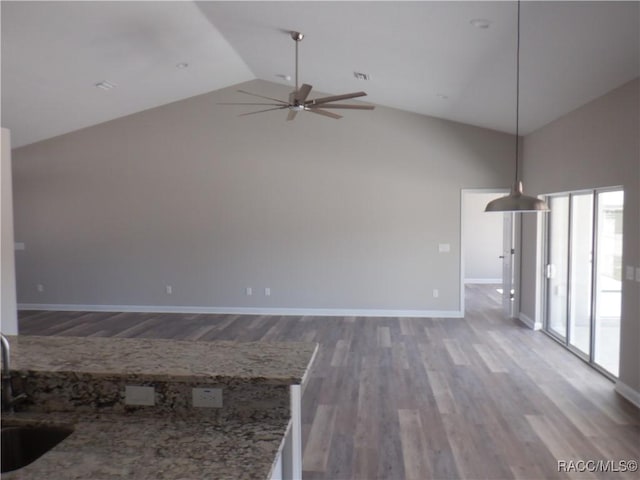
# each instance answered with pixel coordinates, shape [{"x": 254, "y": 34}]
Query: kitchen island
[{"x": 85, "y": 382}]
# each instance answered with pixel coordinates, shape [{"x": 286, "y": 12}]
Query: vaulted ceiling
[{"x": 424, "y": 57}]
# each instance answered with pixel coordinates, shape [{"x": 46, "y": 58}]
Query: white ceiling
[{"x": 53, "y": 53}]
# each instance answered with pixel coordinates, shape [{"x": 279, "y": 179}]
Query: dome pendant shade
[{"x": 516, "y": 201}]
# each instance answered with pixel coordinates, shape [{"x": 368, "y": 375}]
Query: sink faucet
[{"x": 8, "y": 400}]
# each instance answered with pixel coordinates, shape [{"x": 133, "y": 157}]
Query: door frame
[{"x": 516, "y": 278}]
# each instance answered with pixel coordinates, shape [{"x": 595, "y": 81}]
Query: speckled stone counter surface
[
  {"x": 283, "y": 363},
  {"x": 145, "y": 448}
]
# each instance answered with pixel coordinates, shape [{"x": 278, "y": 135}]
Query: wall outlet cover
[
  {"x": 139, "y": 395},
  {"x": 207, "y": 397}
]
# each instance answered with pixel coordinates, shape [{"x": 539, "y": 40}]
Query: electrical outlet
[
  {"x": 40, "y": 287},
  {"x": 267, "y": 292},
  {"x": 207, "y": 397},
  {"x": 436, "y": 293},
  {"x": 139, "y": 395},
  {"x": 169, "y": 289},
  {"x": 248, "y": 291}
]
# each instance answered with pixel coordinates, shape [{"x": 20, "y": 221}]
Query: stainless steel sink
[{"x": 22, "y": 445}]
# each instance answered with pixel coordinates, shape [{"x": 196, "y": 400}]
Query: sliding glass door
[
  {"x": 608, "y": 280},
  {"x": 584, "y": 268}
]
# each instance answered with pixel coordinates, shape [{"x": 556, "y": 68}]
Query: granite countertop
[
  {"x": 144, "y": 448},
  {"x": 80, "y": 381},
  {"x": 276, "y": 363}
]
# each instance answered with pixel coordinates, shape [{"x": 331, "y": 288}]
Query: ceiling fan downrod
[{"x": 297, "y": 36}]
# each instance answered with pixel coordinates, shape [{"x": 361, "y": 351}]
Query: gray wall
[
  {"x": 329, "y": 214},
  {"x": 594, "y": 146},
  {"x": 482, "y": 239}
]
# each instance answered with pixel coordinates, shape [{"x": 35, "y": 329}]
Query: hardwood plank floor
[{"x": 410, "y": 398}]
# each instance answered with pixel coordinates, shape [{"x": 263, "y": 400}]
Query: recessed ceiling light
[
  {"x": 284, "y": 76},
  {"x": 481, "y": 23},
  {"x": 182, "y": 65},
  {"x": 105, "y": 85},
  {"x": 361, "y": 76}
]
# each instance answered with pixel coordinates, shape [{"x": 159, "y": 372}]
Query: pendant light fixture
[{"x": 516, "y": 201}]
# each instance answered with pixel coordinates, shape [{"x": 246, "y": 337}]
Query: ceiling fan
[{"x": 298, "y": 98}]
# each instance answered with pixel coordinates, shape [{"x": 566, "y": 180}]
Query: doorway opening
[{"x": 487, "y": 247}]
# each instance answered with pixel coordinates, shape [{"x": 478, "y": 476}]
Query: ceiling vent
[
  {"x": 104, "y": 85},
  {"x": 361, "y": 76}
]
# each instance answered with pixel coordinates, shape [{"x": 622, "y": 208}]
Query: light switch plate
[
  {"x": 444, "y": 248},
  {"x": 139, "y": 395},
  {"x": 629, "y": 272}
]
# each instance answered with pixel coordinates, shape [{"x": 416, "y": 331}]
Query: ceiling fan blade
[
  {"x": 324, "y": 112},
  {"x": 346, "y": 96},
  {"x": 292, "y": 114},
  {"x": 302, "y": 93},
  {"x": 260, "y": 111},
  {"x": 249, "y": 103},
  {"x": 351, "y": 107},
  {"x": 262, "y": 96}
]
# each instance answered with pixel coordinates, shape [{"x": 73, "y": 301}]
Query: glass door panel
[
  {"x": 580, "y": 276},
  {"x": 558, "y": 265},
  {"x": 608, "y": 282}
]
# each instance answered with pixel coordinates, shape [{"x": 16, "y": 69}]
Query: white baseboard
[
  {"x": 300, "y": 312},
  {"x": 629, "y": 393},
  {"x": 483, "y": 280},
  {"x": 529, "y": 322}
]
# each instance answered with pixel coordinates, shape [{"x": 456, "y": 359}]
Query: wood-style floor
[{"x": 404, "y": 398}]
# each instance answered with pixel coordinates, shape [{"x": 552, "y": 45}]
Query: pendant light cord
[{"x": 518, "y": 95}]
